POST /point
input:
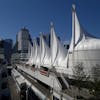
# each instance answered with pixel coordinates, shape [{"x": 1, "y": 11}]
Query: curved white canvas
[
  {"x": 37, "y": 56},
  {"x": 58, "y": 52},
  {"x": 42, "y": 49},
  {"x": 84, "y": 48},
  {"x": 46, "y": 56},
  {"x": 30, "y": 50},
  {"x": 53, "y": 45}
]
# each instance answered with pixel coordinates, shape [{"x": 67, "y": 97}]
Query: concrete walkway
[{"x": 13, "y": 89}]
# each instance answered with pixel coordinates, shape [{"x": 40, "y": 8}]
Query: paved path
[{"x": 13, "y": 89}]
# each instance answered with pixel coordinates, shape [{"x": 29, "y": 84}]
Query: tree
[
  {"x": 96, "y": 80},
  {"x": 96, "y": 72},
  {"x": 80, "y": 75}
]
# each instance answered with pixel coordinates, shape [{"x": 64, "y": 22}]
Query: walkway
[{"x": 13, "y": 89}]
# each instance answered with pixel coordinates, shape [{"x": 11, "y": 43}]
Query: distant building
[
  {"x": 2, "y": 57},
  {"x": 8, "y": 50},
  {"x": 23, "y": 38},
  {"x": 5, "y": 51},
  {"x": 15, "y": 58}
]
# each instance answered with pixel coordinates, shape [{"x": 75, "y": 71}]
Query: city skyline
[{"x": 36, "y": 15}]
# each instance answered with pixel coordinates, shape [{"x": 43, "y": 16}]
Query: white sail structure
[
  {"x": 53, "y": 45},
  {"x": 31, "y": 57},
  {"x": 34, "y": 52},
  {"x": 29, "y": 50},
  {"x": 84, "y": 48},
  {"x": 30, "y": 53},
  {"x": 77, "y": 35},
  {"x": 37, "y": 56},
  {"x": 47, "y": 58},
  {"x": 76, "y": 30},
  {"x": 58, "y": 52},
  {"x": 45, "y": 53},
  {"x": 42, "y": 49}
]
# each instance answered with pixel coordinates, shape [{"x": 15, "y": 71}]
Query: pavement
[{"x": 13, "y": 89}]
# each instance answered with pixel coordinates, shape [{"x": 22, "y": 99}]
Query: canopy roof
[
  {"x": 58, "y": 52},
  {"x": 80, "y": 36},
  {"x": 45, "y": 52},
  {"x": 57, "y": 56}
]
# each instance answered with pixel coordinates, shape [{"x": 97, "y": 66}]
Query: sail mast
[{"x": 73, "y": 26}]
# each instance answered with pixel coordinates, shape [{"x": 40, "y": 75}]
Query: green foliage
[
  {"x": 96, "y": 73},
  {"x": 79, "y": 74},
  {"x": 96, "y": 80}
]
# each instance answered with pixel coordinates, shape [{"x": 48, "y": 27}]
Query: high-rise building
[
  {"x": 5, "y": 50},
  {"x": 8, "y": 50},
  {"x": 15, "y": 55},
  {"x": 23, "y": 39},
  {"x": 2, "y": 57}
]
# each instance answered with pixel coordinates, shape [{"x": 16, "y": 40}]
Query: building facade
[
  {"x": 8, "y": 50},
  {"x": 2, "y": 57},
  {"x": 23, "y": 39},
  {"x": 5, "y": 51}
]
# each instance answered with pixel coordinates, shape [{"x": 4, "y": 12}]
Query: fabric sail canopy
[
  {"x": 30, "y": 53},
  {"x": 42, "y": 49},
  {"x": 37, "y": 55},
  {"x": 78, "y": 32},
  {"x": 79, "y": 36},
  {"x": 33, "y": 53},
  {"x": 58, "y": 52},
  {"x": 45, "y": 53}
]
